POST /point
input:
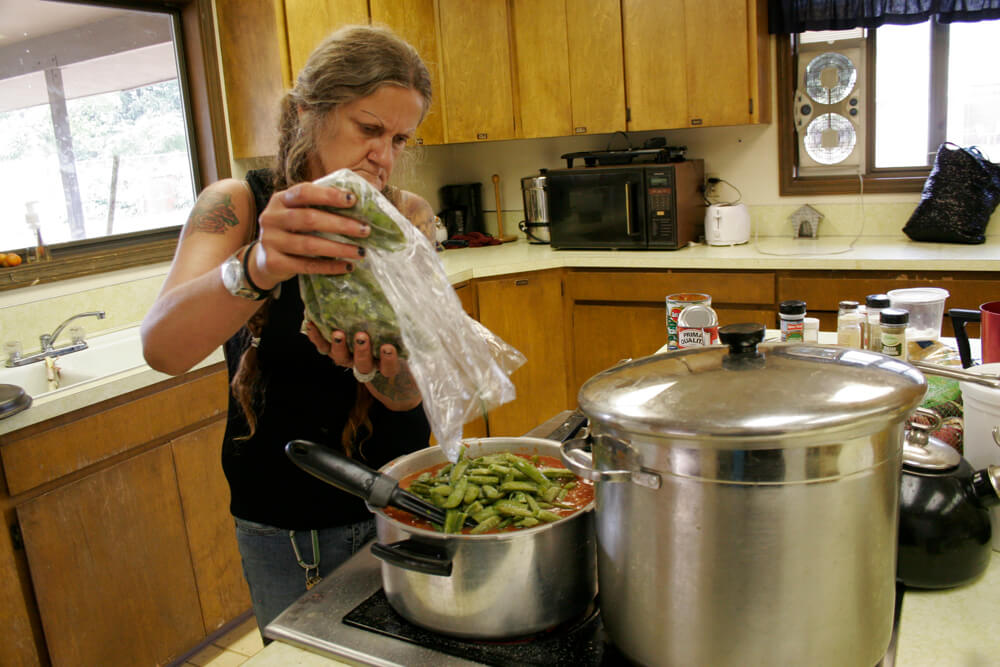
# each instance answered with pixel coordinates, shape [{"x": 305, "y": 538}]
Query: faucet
[{"x": 47, "y": 342}]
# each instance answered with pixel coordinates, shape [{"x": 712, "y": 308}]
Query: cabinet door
[
  {"x": 526, "y": 311},
  {"x": 110, "y": 565},
  {"x": 655, "y": 64},
  {"x": 254, "y": 63},
  {"x": 467, "y": 295},
  {"x": 718, "y": 84},
  {"x": 477, "y": 88},
  {"x": 543, "y": 76},
  {"x": 596, "y": 68},
  {"x": 205, "y": 500},
  {"x": 310, "y": 21},
  {"x": 414, "y": 21}
]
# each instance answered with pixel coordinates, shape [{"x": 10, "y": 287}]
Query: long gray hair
[{"x": 351, "y": 63}]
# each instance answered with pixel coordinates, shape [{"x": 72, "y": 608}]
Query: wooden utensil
[{"x": 496, "y": 191}]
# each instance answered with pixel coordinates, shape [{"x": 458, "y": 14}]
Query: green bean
[
  {"x": 455, "y": 499},
  {"x": 527, "y": 522},
  {"x": 545, "y": 515},
  {"x": 558, "y": 473},
  {"x": 458, "y": 470},
  {"x": 485, "y": 479},
  {"x": 511, "y": 508},
  {"x": 530, "y": 471},
  {"x": 532, "y": 504},
  {"x": 530, "y": 487},
  {"x": 487, "y": 524},
  {"x": 471, "y": 493},
  {"x": 491, "y": 492},
  {"x": 440, "y": 490},
  {"x": 453, "y": 521},
  {"x": 550, "y": 493},
  {"x": 484, "y": 514}
]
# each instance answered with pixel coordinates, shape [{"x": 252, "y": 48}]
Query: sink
[{"x": 107, "y": 355}]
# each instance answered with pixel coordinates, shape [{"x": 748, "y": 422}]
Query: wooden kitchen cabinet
[
  {"x": 568, "y": 57},
  {"x": 416, "y": 22},
  {"x": 525, "y": 310},
  {"x": 613, "y": 315},
  {"x": 122, "y": 549},
  {"x": 476, "y": 70},
  {"x": 310, "y": 21},
  {"x": 696, "y": 63},
  {"x": 477, "y": 428},
  {"x": 255, "y": 72}
]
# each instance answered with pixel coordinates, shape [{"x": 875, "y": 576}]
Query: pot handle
[
  {"x": 581, "y": 463},
  {"x": 415, "y": 556}
]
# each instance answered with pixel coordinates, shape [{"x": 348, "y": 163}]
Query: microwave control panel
[{"x": 660, "y": 206}]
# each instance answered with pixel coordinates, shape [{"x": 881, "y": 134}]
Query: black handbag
[{"x": 958, "y": 198}]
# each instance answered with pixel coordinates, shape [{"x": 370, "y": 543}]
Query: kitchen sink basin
[{"x": 105, "y": 356}]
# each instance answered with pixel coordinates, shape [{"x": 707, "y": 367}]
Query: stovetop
[{"x": 348, "y": 616}]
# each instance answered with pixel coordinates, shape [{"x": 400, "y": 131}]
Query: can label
[
  {"x": 793, "y": 330},
  {"x": 892, "y": 343},
  {"x": 675, "y": 304},
  {"x": 697, "y": 336}
]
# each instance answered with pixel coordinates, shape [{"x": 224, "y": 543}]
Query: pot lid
[
  {"x": 755, "y": 391},
  {"x": 924, "y": 452},
  {"x": 13, "y": 399}
]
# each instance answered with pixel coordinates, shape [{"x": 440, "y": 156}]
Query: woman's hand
[
  {"x": 287, "y": 244},
  {"x": 392, "y": 385}
]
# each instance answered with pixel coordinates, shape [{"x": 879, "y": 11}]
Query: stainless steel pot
[
  {"x": 747, "y": 501},
  {"x": 487, "y": 586}
]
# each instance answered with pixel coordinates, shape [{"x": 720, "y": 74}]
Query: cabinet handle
[
  {"x": 628, "y": 210},
  {"x": 481, "y": 136},
  {"x": 696, "y": 121},
  {"x": 521, "y": 282},
  {"x": 580, "y": 130}
]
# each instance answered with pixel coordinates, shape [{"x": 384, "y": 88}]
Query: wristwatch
[{"x": 236, "y": 280}]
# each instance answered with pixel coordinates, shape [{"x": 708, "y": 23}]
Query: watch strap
[{"x": 246, "y": 271}]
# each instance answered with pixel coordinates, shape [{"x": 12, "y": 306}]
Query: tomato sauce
[{"x": 578, "y": 497}]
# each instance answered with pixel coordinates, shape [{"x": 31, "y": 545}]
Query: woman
[{"x": 234, "y": 283}]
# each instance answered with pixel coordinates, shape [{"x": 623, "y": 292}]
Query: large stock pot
[{"x": 747, "y": 501}]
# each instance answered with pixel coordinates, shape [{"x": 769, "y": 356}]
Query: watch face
[{"x": 232, "y": 278}]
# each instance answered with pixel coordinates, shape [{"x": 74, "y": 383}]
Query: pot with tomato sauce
[{"x": 503, "y": 582}]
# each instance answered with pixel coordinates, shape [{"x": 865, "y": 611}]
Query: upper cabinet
[
  {"x": 505, "y": 69},
  {"x": 309, "y": 21},
  {"x": 416, "y": 22},
  {"x": 568, "y": 62},
  {"x": 476, "y": 67},
  {"x": 696, "y": 63}
]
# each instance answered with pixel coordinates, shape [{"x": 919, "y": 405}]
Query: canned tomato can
[
  {"x": 697, "y": 326},
  {"x": 675, "y": 304}
]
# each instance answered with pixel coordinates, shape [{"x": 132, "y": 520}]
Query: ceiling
[
  {"x": 28, "y": 19},
  {"x": 96, "y": 49}
]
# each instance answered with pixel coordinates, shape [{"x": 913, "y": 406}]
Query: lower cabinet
[
  {"x": 127, "y": 554},
  {"x": 615, "y": 315},
  {"x": 525, "y": 310}
]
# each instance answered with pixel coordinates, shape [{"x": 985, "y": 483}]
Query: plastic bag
[{"x": 401, "y": 293}]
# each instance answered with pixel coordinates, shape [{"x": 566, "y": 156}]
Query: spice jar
[
  {"x": 892, "y": 323},
  {"x": 792, "y": 314},
  {"x": 872, "y": 335},
  {"x": 848, "y": 324}
]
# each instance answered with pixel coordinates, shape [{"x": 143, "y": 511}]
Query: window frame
[
  {"x": 201, "y": 82},
  {"x": 884, "y": 180}
]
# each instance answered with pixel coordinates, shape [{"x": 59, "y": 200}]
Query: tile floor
[{"x": 232, "y": 649}]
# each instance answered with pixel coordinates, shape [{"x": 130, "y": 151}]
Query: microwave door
[{"x": 597, "y": 209}]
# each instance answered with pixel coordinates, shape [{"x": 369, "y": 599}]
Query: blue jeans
[{"x": 271, "y": 568}]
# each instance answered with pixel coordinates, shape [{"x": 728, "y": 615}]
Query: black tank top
[{"x": 302, "y": 395}]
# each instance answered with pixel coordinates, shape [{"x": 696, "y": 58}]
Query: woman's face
[{"x": 368, "y": 134}]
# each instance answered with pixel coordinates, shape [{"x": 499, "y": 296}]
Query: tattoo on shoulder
[{"x": 213, "y": 213}]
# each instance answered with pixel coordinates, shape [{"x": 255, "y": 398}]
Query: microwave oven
[{"x": 626, "y": 207}]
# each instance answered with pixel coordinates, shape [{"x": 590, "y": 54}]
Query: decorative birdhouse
[{"x": 805, "y": 222}]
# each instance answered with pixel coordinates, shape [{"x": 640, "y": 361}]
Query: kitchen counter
[
  {"x": 958, "y": 627},
  {"x": 770, "y": 253}
]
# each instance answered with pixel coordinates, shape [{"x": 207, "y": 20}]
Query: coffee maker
[{"x": 462, "y": 208}]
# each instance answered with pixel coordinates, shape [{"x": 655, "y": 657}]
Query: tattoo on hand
[
  {"x": 213, "y": 213},
  {"x": 400, "y": 388}
]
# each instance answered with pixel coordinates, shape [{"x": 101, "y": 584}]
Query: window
[
  {"x": 100, "y": 111},
  {"x": 913, "y": 87}
]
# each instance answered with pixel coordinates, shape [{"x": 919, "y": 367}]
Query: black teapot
[{"x": 944, "y": 521}]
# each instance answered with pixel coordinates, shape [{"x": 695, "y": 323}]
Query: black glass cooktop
[{"x": 581, "y": 642}]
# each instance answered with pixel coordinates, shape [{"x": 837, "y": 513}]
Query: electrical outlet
[{"x": 711, "y": 184}]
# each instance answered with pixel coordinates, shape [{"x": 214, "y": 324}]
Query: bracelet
[
  {"x": 246, "y": 269},
  {"x": 365, "y": 377}
]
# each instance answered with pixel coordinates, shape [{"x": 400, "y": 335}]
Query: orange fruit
[{"x": 12, "y": 259}]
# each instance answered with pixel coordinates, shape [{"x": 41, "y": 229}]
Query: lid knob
[{"x": 742, "y": 338}]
